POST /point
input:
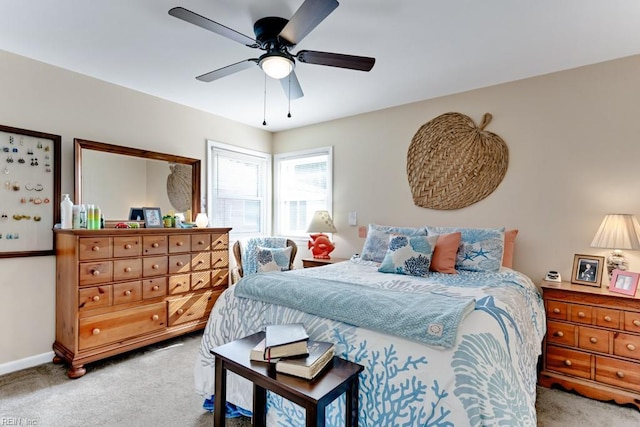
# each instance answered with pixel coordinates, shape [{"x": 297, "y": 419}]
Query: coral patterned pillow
[
  {"x": 410, "y": 255},
  {"x": 273, "y": 259}
]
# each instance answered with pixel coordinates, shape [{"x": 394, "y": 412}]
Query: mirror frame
[{"x": 83, "y": 144}]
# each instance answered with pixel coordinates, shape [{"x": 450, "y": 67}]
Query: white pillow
[{"x": 273, "y": 259}]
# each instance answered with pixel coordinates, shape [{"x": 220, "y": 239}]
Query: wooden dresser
[
  {"x": 592, "y": 344},
  {"x": 120, "y": 289}
]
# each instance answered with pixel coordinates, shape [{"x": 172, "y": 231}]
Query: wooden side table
[
  {"x": 319, "y": 262},
  {"x": 339, "y": 377}
]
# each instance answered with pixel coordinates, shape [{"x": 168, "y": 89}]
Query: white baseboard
[{"x": 28, "y": 362}]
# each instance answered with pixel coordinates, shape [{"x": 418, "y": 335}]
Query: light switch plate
[{"x": 353, "y": 218}]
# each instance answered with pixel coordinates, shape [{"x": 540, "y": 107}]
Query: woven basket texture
[
  {"x": 179, "y": 187},
  {"x": 452, "y": 163}
]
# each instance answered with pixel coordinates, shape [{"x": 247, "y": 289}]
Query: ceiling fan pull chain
[
  {"x": 264, "y": 111},
  {"x": 289, "y": 97}
]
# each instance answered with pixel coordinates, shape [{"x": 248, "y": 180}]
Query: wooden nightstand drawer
[
  {"x": 607, "y": 318},
  {"x": 570, "y": 362},
  {"x": 561, "y": 333},
  {"x": 618, "y": 373},
  {"x": 581, "y": 313},
  {"x": 627, "y": 345},
  {"x": 631, "y": 321},
  {"x": 557, "y": 310},
  {"x": 594, "y": 339}
]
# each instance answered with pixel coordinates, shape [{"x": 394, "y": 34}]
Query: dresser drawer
[
  {"x": 155, "y": 266},
  {"x": 607, "y": 317},
  {"x": 219, "y": 242},
  {"x": 154, "y": 245},
  {"x": 201, "y": 261},
  {"x": 127, "y": 269},
  {"x": 200, "y": 242},
  {"x": 561, "y": 333},
  {"x": 220, "y": 259},
  {"x": 631, "y": 321},
  {"x": 179, "y": 243},
  {"x": 594, "y": 339},
  {"x": 192, "y": 307},
  {"x": 618, "y": 373},
  {"x": 581, "y": 314},
  {"x": 568, "y": 361},
  {"x": 200, "y": 280},
  {"x": 127, "y": 292},
  {"x": 627, "y": 345},
  {"x": 179, "y": 263},
  {"x": 127, "y": 246},
  {"x": 94, "y": 248},
  {"x": 557, "y": 310},
  {"x": 120, "y": 325},
  {"x": 179, "y": 283},
  {"x": 152, "y": 288},
  {"x": 94, "y": 297},
  {"x": 220, "y": 278},
  {"x": 91, "y": 273}
]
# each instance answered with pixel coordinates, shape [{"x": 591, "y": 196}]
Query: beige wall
[
  {"x": 572, "y": 136},
  {"x": 40, "y": 97},
  {"x": 574, "y": 145}
]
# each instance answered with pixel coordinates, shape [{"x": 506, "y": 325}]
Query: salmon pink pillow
[
  {"x": 509, "y": 245},
  {"x": 444, "y": 254}
]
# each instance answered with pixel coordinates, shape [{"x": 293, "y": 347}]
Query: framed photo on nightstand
[
  {"x": 624, "y": 282},
  {"x": 587, "y": 270}
]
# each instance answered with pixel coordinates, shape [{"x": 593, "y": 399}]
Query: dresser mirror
[{"x": 117, "y": 178}]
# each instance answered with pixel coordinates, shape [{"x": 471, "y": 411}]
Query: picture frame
[
  {"x": 136, "y": 214},
  {"x": 30, "y": 171},
  {"x": 624, "y": 282},
  {"x": 587, "y": 270},
  {"x": 152, "y": 218}
]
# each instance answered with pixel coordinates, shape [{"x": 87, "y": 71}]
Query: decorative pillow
[
  {"x": 480, "y": 248},
  {"x": 273, "y": 259},
  {"x": 509, "y": 246},
  {"x": 377, "y": 242},
  {"x": 409, "y": 255},
  {"x": 444, "y": 254}
]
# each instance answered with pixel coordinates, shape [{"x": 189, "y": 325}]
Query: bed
[{"x": 472, "y": 362}]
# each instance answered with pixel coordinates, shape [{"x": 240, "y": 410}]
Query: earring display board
[{"x": 30, "y": 187}]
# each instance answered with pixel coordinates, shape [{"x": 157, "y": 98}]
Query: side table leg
[
  {"x": 351, "y": 403},
  {"x": 259, "y": 406},
  {"x": 220, "y": 397}
]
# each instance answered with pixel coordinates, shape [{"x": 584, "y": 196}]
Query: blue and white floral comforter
[{"x": 488, "y": 377}]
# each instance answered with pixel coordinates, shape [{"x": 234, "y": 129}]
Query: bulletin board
[{"x": 30, "y": 188}]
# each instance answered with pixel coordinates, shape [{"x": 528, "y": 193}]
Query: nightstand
[
  {"x": 318, "y": 262},
  {"x": 592, "y": 344}
]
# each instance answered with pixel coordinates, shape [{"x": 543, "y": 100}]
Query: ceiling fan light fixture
[{"x": 276, "y": 66}]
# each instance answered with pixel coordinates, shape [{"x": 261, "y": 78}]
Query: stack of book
[{"x": 289, "y": 347}]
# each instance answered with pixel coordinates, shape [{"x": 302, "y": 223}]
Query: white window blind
[
  {"x": 239, "y": 196},
  {"x": 303, "y": 186}
]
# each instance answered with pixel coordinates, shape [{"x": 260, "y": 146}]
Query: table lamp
[
  {"x": 320, "y": 244},
  {"x": 617, "y": 232}
]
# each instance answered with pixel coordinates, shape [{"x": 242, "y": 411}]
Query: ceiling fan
[{"x": 277, "y": 36}]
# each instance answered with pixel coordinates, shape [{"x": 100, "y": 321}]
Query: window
[
  {"x": 239, "y": 195},
  {"x": 303, "y": 186}
]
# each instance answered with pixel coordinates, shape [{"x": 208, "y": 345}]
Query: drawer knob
[
  {"x": 620, "y": 374},
  {"x": 568, "y": 362},
  {"x": 200, "y": 262},
  {"x": 180, "y": 243},
  {"x": 95, "y": 272},
  {"x": 155, "y": 245},
  {"x": 155, "y": 317},
  {"x": 179, "y": 263},
  {"x": 180, "y": 311},
  {"x": 631, "y": 347},
  {"x": 636, "y": 322},
  {"x": 560, "y": 334},
  {"x": 127, "y": 270},
  {"x": 127, "y": 246},
  {"x": 581, "y": 314},
  {"x": 95, "y": 248},
  {"x": 96, "y": 298},
  {"x": 155, "y": 266},
  {"x": 127, "y": 292},
  {"x": 607, "y": 318},
  {"x": 593, "y": 340},
  {"x": 155, "y": 288},
  {"x": 95, "y": 331},
  {"x": 201, "y": 242},
  {"x": 556, "y": 310}
]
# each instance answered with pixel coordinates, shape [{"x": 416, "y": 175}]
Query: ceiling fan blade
[
  {"x": 362, "y": 63},
  {"x": 225, "y": 71},
  {"x": 208, "y": 24},
  {"x": 306, "y": 18},
  {"x": 291, "y": 83}
]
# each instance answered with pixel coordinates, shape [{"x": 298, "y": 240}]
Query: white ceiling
[{"x": 423, "y": 48}]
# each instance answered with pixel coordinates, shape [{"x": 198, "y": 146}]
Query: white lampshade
[
  {"x": 276, "y": 66},
  {"x": 321, "y": 223},
  {"x": 618, "y": 231}
]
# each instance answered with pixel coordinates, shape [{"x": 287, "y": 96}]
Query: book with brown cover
[
  {"x": 320, "y": 354},
  {"x": 285, "y": 341}
]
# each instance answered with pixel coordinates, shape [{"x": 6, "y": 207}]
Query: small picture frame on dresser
[
  {"x": 587, "y": 270},
  {"x": 624, "y": 282},
  {"x": 152, "y": 218}
]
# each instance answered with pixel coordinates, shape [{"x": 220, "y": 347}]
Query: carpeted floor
[{"x": 154, "y": 387}]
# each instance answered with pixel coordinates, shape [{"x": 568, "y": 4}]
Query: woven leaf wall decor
[{"x": 452, "y": 163}]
